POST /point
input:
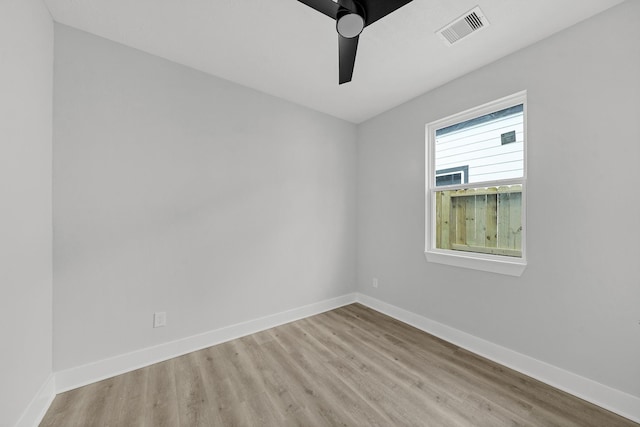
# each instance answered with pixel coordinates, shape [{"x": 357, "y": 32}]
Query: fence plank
[
  {"x": 445, "y": 238},
  {"x": 481, "y": 219},
  {"x": 491, "y": 232},
  {"x": 460, "y": 218},
  {"x": 484, "y": 250},
  {"x": 438, "y": 199},
  {"x": 470, "y": 217},
  {"x": 504, "y": 226},
  {"x": 516, "y": 220},
  {"x": 517, "y": 188}
]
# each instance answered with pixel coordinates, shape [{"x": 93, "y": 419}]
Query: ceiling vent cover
[{"x": 468, "y": 23}]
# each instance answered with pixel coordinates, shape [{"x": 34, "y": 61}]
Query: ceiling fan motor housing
[{"x": 350, "y": 25}]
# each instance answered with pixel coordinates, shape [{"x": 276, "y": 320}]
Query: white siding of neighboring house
[{"x": 480, "y": 147}]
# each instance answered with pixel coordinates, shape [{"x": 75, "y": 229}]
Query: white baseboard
[
  {"x": 69, "y": 379},
  {"x": 33, "y": 414},
  {"x": 606, "y": 397}
]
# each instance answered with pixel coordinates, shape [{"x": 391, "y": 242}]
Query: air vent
[{"x": 468, "y": 23}]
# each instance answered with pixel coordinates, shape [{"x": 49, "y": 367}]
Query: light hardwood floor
[{"x": 348, "y": 367}]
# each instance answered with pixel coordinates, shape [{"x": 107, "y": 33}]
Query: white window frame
[{"x": 478, "y": 261}]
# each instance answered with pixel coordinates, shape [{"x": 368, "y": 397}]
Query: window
[
  {"x": 476, "y": 182},
  {"x": 450, "y": 176}
]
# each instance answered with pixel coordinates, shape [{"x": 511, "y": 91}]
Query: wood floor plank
[
  {"x": 411, "y": 363},
  {"x": 351, "y": 366},
  {"x": 63, "y": 409},
  {"x": 316, "y": 406},
  {"x": 390, "y": 374},
  {"x": 194, "y": 407},
  {"x": 95, "y": 402},
  {"x": 161, "y": 400},
  {"x": 274, "y": 384},
  {"x": 219, "y": 387},
  {"x": 351, "y": 351},
  {"x": 337, "y": 398},
  {"x": 127, "y": 397}
]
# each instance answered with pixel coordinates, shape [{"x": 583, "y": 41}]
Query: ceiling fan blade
[
  {"x": 328, "y": 7},
  {"x": 347, "y": 55},
  {"x": 377, "y": 9}
]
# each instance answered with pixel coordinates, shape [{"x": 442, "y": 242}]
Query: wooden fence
[{"x": 486, "y": 220}]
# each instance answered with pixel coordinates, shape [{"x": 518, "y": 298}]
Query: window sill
[{"x": 498, "y": 265}]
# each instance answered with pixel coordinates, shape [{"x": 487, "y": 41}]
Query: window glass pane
[
  {"x": 490, "y": 147},
  {"x": 449, "y": 179},
  {"x": 484, "y": 219}
]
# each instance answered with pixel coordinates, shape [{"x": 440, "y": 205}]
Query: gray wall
[
  {"x": 180, "y": 192},
  {"x": 26, "y": 70},
  {"x": 577, "y": 304}
]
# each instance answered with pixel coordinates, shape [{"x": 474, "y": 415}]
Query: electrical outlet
[
  {"x": 159, "y": 319},
  {"x": 374, "y": 283}
]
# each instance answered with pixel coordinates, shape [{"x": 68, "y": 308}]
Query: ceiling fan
[{"x": 351, "y": 17}]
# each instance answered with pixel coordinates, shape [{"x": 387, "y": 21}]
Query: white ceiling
[{"x": 286, "y": 49}]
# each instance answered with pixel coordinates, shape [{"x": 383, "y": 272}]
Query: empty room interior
[{"x": 318, "y": 212}]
